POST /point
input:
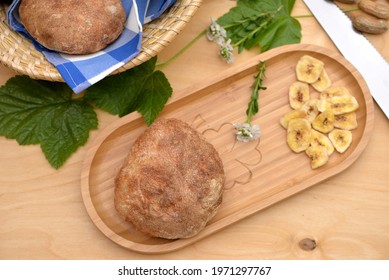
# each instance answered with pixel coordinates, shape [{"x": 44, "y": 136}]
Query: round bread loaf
[
  {"x": 171, "y": 183},
  {"x": 73, "y": 26}
]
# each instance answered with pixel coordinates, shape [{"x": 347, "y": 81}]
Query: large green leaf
[
  {"x": 41, "y": 112},
  {"x": 139, "y": 89}
]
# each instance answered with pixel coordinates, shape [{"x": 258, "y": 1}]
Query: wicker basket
[{"x": 19, "y": 53}]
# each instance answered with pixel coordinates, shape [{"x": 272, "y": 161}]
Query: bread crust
[
  {"x": 171, "y": 183},
  {"x": 73, "y": 26}
]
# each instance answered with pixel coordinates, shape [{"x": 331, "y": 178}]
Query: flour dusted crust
[
  {"x": 73, "y": 26},
  {"x": 171, "y": 183}
]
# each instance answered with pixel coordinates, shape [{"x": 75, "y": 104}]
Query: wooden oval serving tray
[{"x": 259, "y": 173}]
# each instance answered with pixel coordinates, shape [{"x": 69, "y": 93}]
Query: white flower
[
  {"x": 226, "y": 51},
  {"x": 246, "y": 132},
  {"x": 216, "y": 33}
]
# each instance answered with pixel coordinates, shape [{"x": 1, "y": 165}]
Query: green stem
[
  {"x": 190, "y": 44},
  {"x": 252, "y": 108},
  {"x": 345, "y": 11},
  {"x": 250, "y": 114},
  {"x": 262, "y": 25},
  {"x": 351, "y": 9},
  {"x": 303, "y": 16},
  {"x": 240, "y": 22}
]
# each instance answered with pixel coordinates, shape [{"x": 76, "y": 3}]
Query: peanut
[
  {"x": 378, "y": 9},
  {"x": 368, "y": 24}
]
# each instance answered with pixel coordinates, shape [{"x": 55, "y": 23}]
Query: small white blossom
[
  {"x": 216, "y": 33},
  {"x": 226, "y": 51},
  {"x": 246, "y": 132}
]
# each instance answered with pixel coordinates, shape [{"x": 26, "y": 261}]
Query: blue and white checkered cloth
[{"x": 81, "y": 71}]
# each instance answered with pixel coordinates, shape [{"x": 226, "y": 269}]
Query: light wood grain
[
  {"x": 42, "y": 214},
  {"x": 258, "y": 174}
]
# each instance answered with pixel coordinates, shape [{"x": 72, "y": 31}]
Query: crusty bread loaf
[
  {"x": 73, "y": 26},
  {"x": 172, "y": 181}
]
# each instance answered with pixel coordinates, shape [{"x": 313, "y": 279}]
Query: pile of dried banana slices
[{"x": 318, "y": 126}]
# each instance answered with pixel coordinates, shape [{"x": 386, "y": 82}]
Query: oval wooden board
[{"x": 259, "y": 173}]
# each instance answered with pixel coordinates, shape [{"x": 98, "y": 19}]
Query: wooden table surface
[{"x": 42, "y": 215}]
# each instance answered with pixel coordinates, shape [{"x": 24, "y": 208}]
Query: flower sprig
[
  {"x": 218, "y": 35},
  {"x": 252, "y": 107},
  {"x": 241, "y": 29},
  {"x": 246, "y": 132}
]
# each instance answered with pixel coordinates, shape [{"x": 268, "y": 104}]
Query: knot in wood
[{"x": 307, "y": 244}]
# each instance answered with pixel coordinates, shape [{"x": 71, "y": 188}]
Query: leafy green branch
[
  {"x": 48, "y": 113},
  {"x": 252, "y": 107},
  {"x": 266, "y": 24}
]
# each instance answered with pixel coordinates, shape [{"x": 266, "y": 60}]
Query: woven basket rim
[{"x": 19, "y": 54}]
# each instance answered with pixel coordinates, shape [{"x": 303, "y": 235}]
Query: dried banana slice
[
  {"x": 285, "y": 119},
  {"x": 308, "y": 69},
  {"x": 343, "y": 104},
  {"x": 298, "y": 94},
  {"x": 310, "y": 107},
  {"x": 334, "y": 91},
  {"x": 346, "y": 121},
  {"x": 323, "y": 82},
  {"x": 298, "y": 134},
  {"x": 338, "y": 104},
  {"x": 321, "y": 140},
  {"x": 323, "y": 105},
  {"x": 341, "y": 139},
  {"x": 324, "y": 122},
  {"x": 318, "y": 156}
]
